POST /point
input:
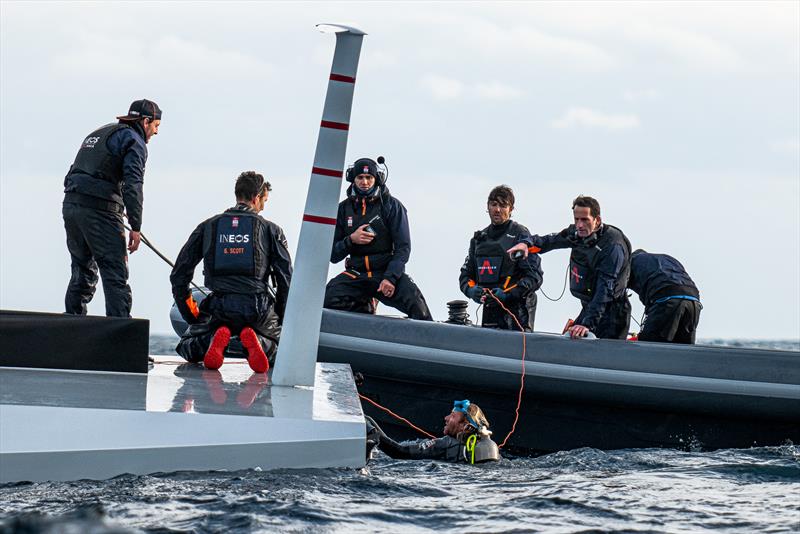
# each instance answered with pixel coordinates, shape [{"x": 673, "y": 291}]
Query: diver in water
[{"x": 467, "y": 438}]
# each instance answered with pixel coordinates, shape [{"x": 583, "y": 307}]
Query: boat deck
[{"x": 88, "y": 424}]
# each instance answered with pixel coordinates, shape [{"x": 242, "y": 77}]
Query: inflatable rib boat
[{"x": 606, "y": 394}]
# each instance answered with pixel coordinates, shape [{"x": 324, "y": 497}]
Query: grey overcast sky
[{"x": 683, "y": 119}]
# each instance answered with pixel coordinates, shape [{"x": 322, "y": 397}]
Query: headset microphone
[{"x": 382, "y": 161}]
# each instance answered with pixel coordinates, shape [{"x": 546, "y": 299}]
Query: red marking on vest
[
  {"x": 335, "y": 125},
  {"x": 342, "y": 78},
  {"x": 576, "y": 275},
  {"x": 318, "y": 219},
  {"x": 486, "y": 267},
  {"x": 326, "y": 172},
  {"x": 235, "y": 222}
]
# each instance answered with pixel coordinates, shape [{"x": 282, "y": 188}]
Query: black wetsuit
[
  {"x": 445, "y": 448},
  {"x": 384, "y": 258},
  {"x": 487, "y": 265},
  {"x": 671, "y": 298},
  {"x": 105, "y": 180},
  {"x": 240, "y": 250},
  {"x": 599, "y": 266}
]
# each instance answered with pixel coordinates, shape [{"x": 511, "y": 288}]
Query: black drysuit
[
  {"x": 240, "y": 250},
  {"x": 384, "y": 258},
  {"x": 105, "y": 180},
  {"x": 670, "y": 297},
  {"x": 599, "y": 266},
  {"x": 489, "y": 266}
]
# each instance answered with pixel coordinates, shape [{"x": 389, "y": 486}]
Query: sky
[{"x": 682, "y": 119}]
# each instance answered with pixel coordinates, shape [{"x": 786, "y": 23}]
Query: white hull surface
[{"x": 68, "y": 425}]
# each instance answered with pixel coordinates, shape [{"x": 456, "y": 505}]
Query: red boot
[
  {"x": 255, "y": 353},
  {"x": 215, "y": 354}
]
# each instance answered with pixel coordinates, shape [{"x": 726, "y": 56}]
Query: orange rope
[
  {"x": 403, "y": 419},
  {"x": 522, "y": 377}
]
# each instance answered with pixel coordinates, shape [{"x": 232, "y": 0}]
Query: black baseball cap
[{"x": 142, "y": 109}]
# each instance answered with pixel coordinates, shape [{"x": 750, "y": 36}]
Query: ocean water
[{"x": 583, "y": 490}]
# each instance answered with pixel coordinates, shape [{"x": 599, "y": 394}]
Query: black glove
[
  {"x": 475, "y": 293},
  {"x": 500, "y": 294}
]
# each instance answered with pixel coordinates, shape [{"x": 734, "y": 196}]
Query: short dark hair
[
  {"x": 587, "y": 202},
  {"x": 503, "y": 195},
  {"x": 250, "y": 184}
]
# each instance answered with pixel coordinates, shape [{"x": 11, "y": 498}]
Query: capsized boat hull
[{"x": 606, "y": 394}]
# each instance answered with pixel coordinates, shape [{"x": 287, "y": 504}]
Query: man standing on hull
[
  {"x": 599, "y": 266},
  {"x": 372, "y": 229},
  {"x": 489, "y": 269},
  {"x": 670, "y": 297},
  {"x": 106, "y": 180},
  {"x": 240, "y": 250}
]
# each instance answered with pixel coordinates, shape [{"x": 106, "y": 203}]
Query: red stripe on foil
[
  {"x": 326, "y": 172},
  {"x": 335, "y": 125},
  {"x": 320, "y": 220},
  {"x": 341, "y": 78}
]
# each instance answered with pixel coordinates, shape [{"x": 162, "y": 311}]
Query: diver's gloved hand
[
  {"x": 475, "y": 293},
  {"x": 373, "y": 436},
  {"x": 500, "y": 294}
]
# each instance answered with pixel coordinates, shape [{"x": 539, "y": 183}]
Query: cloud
[
  {"x": 589, "y": 118},
  {"x": 517, "y": 43},
  {"x": 694, "y": 48},
  {"x": 380, "y": 58},
  {"x": 789, "y": 145},
  {"x": 170, "y": 56},
  {"x": 443, "y": 88},
  {"x": 634, "y": 95},
  {"x": 497, "y": 91}
]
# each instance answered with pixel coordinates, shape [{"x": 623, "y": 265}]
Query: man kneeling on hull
[
  {"x": 467, "y": 438},
  {"x": 240, "y": 250},
  {"x": 372, "y": 229},
  {"x": 489, "y": 269},
  {"x": 670, "y": 297}
]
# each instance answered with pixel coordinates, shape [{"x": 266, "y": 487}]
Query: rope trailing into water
[
  {"x": 522, "y": 376},
  {"x": 519, "y": 395},
  {"x": 403, "y": 419}
]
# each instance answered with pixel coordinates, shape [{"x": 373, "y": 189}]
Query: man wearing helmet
[
  {"x": 467, "y": 438},
  {"x": 372, "y": 233}
]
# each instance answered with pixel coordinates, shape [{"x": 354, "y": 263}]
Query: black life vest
[
  {"x": 493, "y": 267},
  {"x": 95, "y": 159},
  {"x": 233, "y": 250},
  {"x": 376, "y": 255},
  {"x": 584, "y": 258}
]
